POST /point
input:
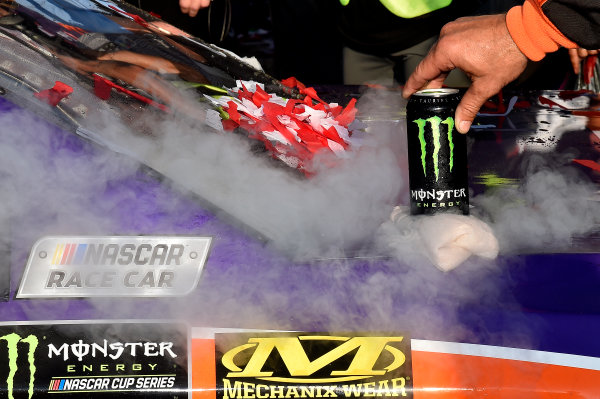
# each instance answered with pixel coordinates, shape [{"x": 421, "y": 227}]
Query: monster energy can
[{"x": 437, "y": 154}]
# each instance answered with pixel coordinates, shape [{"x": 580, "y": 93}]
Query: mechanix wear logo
[
  {"x": 312, "y": 366},
  {"x": 435, "y": 122},
  {"x": 13, "y": 343}
]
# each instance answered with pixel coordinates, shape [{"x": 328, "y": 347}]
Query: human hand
[
  {"x": 483, "y": 48},
  {"x": 191, "y": 7},
  {"x": 577, "y": 55}
]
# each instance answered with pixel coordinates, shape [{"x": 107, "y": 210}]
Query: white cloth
[{"x": 446, "y": 239}]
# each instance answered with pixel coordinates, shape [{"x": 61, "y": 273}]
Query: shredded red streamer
[
  {"x": 588, "y": 163},
  {"x": 291, "y": 129},
  {"x": 103, "y": 86},
  {"x": 54, "y": 95}
]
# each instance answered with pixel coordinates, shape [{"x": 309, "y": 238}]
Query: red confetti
[
  {"x": 588, "y": 163},
  {"x": 571, "y": 94},
  {"x": 311, "y": 93},
  {"x": 307, "y": 126},
  {"x": 101, "y": 83},
  {"x": 234, "y": 115},
  {"x": 293, "y": 83},
  {"x": 272, "y": 111},
  {"x": 54, "y": 95},
  {"x": 348, "y": 114},
  {"x": 260, "y": 96},
  {"x": 546, "y": 101},
  {"x": 332, "y": 134},
  {"x": 588, "y": 68},
  {"x": 101, "y": 88},
  {"x": 229, "y": 125}
]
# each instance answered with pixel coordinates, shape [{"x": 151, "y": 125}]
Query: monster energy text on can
[{"x": 437, "y": 154}]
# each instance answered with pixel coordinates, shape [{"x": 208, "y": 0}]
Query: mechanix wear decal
[{"x": 303, "y": 365}]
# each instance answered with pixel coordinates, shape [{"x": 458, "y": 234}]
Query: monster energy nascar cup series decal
[{"x": 93, "y": 360}]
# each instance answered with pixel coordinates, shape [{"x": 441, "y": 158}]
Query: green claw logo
[
  {"x": 435, "y": 122},
  {"x": 12, "y": 341}
]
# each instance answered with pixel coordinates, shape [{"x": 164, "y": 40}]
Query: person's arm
[
  {"x": 533, "y": 32},
  {"x": 191, "y": 7},
  {"x": 578, "y": 20},
  {"x": 482, "y": 47},
  {"x": 493, "y": 50}
]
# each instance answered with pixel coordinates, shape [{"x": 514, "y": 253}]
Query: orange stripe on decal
[
  {"x": 204, "y": 374},
  {"x": 456, "y": 376}
]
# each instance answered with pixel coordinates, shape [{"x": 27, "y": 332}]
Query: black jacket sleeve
[{"x": 578, "y": 20}]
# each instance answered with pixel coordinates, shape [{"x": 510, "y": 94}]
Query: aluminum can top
[
  {"x": 436, "y": 92},
  {"x": 435, "y": 96}
]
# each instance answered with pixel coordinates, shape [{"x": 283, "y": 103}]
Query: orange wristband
[{"x": 533, "y": 33}]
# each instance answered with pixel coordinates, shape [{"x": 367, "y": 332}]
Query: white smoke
[
  {"x": 351, "y": 269},
  {"x": 57, "y": 185},
  {"x": 305, "y": 218},
  {"x": 544, "y": 214}
]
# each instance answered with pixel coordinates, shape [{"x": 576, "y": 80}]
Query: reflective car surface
[{"x": 139, "y": 211}]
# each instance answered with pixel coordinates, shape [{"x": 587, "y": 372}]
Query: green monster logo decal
[
  {"x": 12, "y": 341},
  {"x": 435, "y": 122}
]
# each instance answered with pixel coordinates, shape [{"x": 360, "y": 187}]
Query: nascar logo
[
  {"x": 111, "y": 254},
  {"x": 114, "y": 266}
]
